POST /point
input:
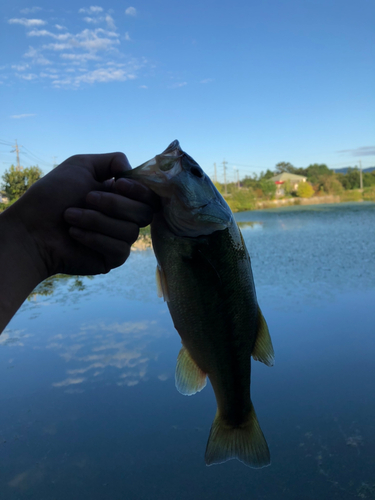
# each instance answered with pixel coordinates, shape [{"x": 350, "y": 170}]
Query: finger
[
  {"x": 137, "y": 191},
  {"x": 119, "y": 207},
  {"x": 91, "y": 220},
  {"x": 115, "y": 252},
  {"x": 105, "y": 165}
]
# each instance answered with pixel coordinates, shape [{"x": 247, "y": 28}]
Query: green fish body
[{"x": 204, "y": 273}]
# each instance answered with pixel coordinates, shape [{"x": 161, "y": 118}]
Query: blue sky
[{"x": 254, "y": 83}]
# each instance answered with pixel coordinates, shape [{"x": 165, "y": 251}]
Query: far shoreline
[{"x": 144, "y": 240}]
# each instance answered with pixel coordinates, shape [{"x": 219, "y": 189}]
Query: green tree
[
  {"x": 284, "y": 166},
  {"x": 268, "y": 188},
  {"x": 305, "y": 190},
  {"x": 350, "y": 180},
  {"x": 315, "y": 171},
  {"x": 331, "y": 185},
  {"x": 369, "y": 179},
  {"x": 16, "y": 181}
]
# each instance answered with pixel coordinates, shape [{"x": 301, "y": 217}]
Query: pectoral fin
[
  {"x": 190, "y": 379},
  {"x": 263, "y": 348},
  {"x": 161, "y": 284}
]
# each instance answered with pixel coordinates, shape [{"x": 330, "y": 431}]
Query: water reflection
[
  {"x": 124, "y": 346},
  {"x": 256, "y": 226},
  {"x": 88, "y": 407}
]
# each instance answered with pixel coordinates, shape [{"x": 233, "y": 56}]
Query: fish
[{"x": 204, "y": 274}]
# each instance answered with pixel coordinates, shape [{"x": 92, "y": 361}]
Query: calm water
[{"x": 88, "y": 407}]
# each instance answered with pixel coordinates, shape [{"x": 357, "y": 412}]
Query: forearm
[{"x": 19, "y": 271}]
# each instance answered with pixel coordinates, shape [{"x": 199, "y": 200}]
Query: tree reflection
[{"x": 51, "y": 284}]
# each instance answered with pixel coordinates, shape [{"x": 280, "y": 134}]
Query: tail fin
[{"x": 245, "y": 442}]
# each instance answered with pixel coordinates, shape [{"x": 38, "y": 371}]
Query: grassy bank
[{"x": 244, "y": 199}]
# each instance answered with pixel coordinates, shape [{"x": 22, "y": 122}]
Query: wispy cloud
[
  {"x": 68, "y": 58},
  {"x": 30, "y": 10},
  {"x": 131, "y": 11},
  {"x": 363, "y": 151},
  {"x": 27, "y": 22},
  {"x": 94, "y": 9},
  {"x": 25, "y": 115},
  {"x": 177, "y": 85},
  {"x": 206, "y": 80}
]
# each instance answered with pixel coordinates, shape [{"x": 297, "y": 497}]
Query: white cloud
[
  {"x": 62, "y": 36},
  {"x": 80, "y": 57},
  {"x": 27, "y": 22},
  {"x": 178, "y": 85},
  {"x": 143, "y": 87},
  {"x": 110, "y": 22},
  {"x": 36, "y": 57},
  {"x": 30, "y": 76},
  {"x": 131, "y": 11},
  {"x": 94, "y": 9},
  {"x": 93, "y": 20},
  {"x": 127, "y": 37},
  {"x": 30, "y": 10},
  {"x": 69, "y": 381},
  {"x": 65, "y": 58},
  {"x": 26, "y": 115},
  {"x": 206, "y": 80},
  {"x": 105, "y": 75},
  {"x": 363, "y": 151},
  {"x": 20, "y": 67}
]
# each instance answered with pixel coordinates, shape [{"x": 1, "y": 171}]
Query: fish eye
[{"x": 197, "y": 172}]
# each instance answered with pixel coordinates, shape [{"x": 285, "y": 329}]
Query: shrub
[
  {"x": 305, "y": 190},
  {"x": 241, "y": 200},
  {"x": 351, "y": 195}
]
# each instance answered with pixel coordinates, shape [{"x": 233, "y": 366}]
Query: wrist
[{"x": 21, "y": 265}]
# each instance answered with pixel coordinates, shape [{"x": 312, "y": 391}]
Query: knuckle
[
  {"x": 145, "y": 216},
  {"x": 132, "y": 233}
]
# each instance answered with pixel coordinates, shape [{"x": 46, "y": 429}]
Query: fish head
[{"x": 192, "y": 206}]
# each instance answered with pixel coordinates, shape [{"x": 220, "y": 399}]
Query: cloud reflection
[{"x": 122, "y": 351}]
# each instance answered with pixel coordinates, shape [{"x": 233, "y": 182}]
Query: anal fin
[
  {"x": 190, "y": 379},
  {"x": 263, "y": 348}
]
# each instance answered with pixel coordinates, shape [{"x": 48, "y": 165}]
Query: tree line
[{"x": 321, "y": 180}]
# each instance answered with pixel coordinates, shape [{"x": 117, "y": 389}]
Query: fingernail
[
  {"x": 93, "y": 198},
  {"x": 73, "y": 214}
]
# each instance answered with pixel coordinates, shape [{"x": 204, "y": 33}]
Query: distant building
[
  {"x": 281, "y": 179},
  {"x": 3, "y": 197}
]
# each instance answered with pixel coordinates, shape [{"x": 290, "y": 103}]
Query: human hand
[{"x": 78, "y": 220}]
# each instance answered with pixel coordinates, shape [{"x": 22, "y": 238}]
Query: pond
[{"x": 88, "y": 405}]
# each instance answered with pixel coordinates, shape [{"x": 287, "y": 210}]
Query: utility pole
[
  {"x": 17, "y": 151},
  {"x": 54, "y": 165},
  {"x": 225, "y": 176},
  {"x": 238, "y": 177},
  {"x": 215, "y": 178},
  {"x": 360, "y": 176}
]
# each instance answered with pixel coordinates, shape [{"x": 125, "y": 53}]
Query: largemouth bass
[{"x": 204, "y": 273}]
